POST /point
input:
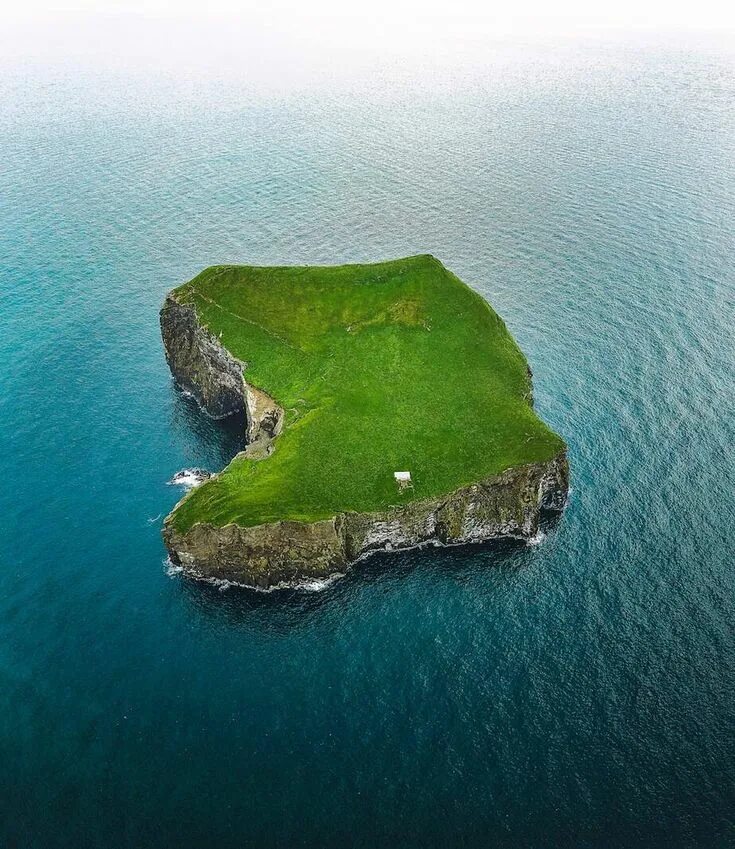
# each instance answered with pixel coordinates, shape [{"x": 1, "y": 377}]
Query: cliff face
[
  {"x": 206, "y": 370},
  {"x": 286, "y": 552},
  {"x": 199, "y": 363},
  {"x": 507, "y": 505}
]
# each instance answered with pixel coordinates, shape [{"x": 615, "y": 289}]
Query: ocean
[{"x": 578, "y": 692}]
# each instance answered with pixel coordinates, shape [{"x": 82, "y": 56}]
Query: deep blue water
[{"x": 576, "y": 693}]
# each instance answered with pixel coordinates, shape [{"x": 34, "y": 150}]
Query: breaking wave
[
  {"x": 189, "y": 478},
  {"x": 307, "y": 585}
]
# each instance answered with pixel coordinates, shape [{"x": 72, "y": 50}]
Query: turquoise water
[{"x": 576, "y": 693}]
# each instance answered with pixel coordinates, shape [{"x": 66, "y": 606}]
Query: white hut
[{"x": 403, "y": 479}]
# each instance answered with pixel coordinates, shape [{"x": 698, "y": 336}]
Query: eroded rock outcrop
[
  {"x": 506, "y": 505},
  {"x": 206, "y": 370},
  {"x": 199, "y": 363}
]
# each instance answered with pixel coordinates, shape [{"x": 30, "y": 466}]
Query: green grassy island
[{"x": 346, "y": 375}]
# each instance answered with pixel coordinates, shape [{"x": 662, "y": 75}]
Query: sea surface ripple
[{"x": 580, "y": 692}]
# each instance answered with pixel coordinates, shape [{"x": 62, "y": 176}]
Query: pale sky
[
  {"x": 512, "y": 16},
  {"x": 181, "y": 30}
]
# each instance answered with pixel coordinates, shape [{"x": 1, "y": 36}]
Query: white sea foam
[
  {"x": 315, "y": 585},
  {"x": 310, "y": 585},
  {"x": 189, "y": 478},
  {"x": 537, "y": 538},
  {"x": 171, "y": 568}
]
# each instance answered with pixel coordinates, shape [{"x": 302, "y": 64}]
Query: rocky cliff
[
  {"x": 507, "y": 505},
  {"x": 202, "y": 367}
]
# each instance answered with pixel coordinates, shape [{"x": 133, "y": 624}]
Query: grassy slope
[{"x": 397, "y": 365}]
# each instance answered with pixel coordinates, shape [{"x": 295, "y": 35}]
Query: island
[{"x": 385, "y": 406}]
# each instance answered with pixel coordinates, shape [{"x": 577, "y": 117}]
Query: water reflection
[
  {"x": 481, "y": 567},
  {"x": 211, "y": 443}
]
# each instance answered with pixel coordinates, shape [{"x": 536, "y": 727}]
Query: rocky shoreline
[{"x": 288, "y": 552}]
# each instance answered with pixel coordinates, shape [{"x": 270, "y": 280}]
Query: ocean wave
[
  {"x": 189, "y": 478},
  {"x": 536, "y": 539},
  {"x": 308, "y": 585}
]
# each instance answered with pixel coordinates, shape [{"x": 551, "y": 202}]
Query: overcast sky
[{"x": 175, "y": 31}]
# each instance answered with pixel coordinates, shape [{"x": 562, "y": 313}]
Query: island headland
[{"x": 345, "y": 376}]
